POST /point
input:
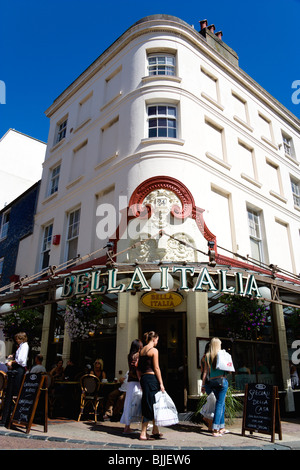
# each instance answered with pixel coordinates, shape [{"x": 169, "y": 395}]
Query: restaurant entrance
[{"x": 171, "y": 328}]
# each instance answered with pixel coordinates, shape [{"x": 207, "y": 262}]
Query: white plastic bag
[
  {"x": 208, "y": 409},
  {"x": 136, "y": 406},
  {"x": 224, "y": 361},
  {"x": 165, "y": 413}
]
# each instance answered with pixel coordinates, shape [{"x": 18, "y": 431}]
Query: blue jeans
[{"x": 220, "y": 394}]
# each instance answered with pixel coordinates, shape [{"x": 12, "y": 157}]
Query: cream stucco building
[{"x": 163, "y": 145}]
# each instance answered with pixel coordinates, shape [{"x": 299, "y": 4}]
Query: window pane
[
  {"x": 162, "y": 122},
  {"x": 162, "y": 132},
  {"x": 151, "y": 110},
  {"x": 171, "y": 111},
  {"x": 255, "y": 249},
  {"x": 153, "y": 132},
  {"x": 162, "y": 110},
  {"x": 152, "y": 122},
  {"x": 172, "y": 133},
  {"x": 171, "y": 123}
]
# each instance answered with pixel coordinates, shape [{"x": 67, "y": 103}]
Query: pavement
[{"x": 185, "y": 436}]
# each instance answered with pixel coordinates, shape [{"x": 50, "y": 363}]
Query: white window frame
[
  {"x": 161, "y": 63},
  {"x": 61, "y": 130},
  {"x": 72, "y": 229},
  {"x": 46, "y": 243},
  {"x": 288, "y": 146},
  {"x": 163, "y": 127},
  {"x": 255, "y": 231},
  {"x": 4, "y": 224},
  {"x": 54, "y": 180},
  {"x": 295, "y": 184}
]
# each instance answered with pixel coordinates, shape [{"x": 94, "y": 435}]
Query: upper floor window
[
  {"x": 296, "y": 191},
  {"x": 61, "y": 131},
  {"x": 254, "y": 224},
  {"x": 162, "y": 121},
  {"x": 4, "y": 224},
  {"x": 46, "y": 246},
  {"x": 54, "y": 179},
  {"x": 72, "y": 234},
  {"x": 288, "y": 146},
  {"x": 161, "y": 64}
]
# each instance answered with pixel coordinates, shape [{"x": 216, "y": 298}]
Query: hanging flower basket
[
  {"x": 83, "y": 316},
  {"x": 25, "y": 320},
  {"x": 245, "y": 316}
]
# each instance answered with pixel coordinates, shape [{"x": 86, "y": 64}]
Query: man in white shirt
[{"x": 19, "y": 363}]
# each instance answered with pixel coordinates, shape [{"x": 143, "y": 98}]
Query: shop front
[{"x": 97, "y": 312}]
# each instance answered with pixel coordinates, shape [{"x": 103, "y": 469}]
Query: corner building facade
[{"x": 201, "y": 167}]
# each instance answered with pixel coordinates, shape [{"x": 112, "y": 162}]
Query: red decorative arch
[{"x": 136, "y": 208}]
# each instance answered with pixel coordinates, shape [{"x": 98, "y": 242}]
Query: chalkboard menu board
[
  {"x": 27, "y": 400},
  {"x": 261, "y": 410}
]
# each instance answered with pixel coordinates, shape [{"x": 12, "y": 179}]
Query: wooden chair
[
  {"x": 90, "y": 385},
  {"x": 3, "y": 383}
]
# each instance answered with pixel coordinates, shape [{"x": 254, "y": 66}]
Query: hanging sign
[{"x": 160, "y": 301}]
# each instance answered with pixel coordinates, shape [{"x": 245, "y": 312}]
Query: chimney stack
[{"x": 203, "y": 24}]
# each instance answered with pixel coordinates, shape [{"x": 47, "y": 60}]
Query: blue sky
[{"x": 46, "y": 44}]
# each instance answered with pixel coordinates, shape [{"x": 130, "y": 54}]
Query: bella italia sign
[{"x": 91, "y": 282}]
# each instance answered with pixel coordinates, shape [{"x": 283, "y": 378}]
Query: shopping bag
[
  {"x": 224, "y": 361},
  {"x": 136, "y": 406},
  {"x": 165, "y": 413},
  {"x": 208, "y": 409}
]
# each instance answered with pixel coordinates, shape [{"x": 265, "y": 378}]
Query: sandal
[
  {"x": 224, "y": 431},
  {"x": 157, "y": 436},
  {"x": 147, "y": 438}
]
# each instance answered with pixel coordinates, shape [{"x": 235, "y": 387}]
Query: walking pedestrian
[
  {"x": 214, "y": 380},
  {"x": 151, "y": 383},
  {"x": 133, "y": 385}
]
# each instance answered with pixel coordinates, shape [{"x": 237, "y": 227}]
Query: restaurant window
[
  {"x": 161, "y": 64},
  {"x": 255, "y": 360},
  {"x": 162, "y": 121},
  {"x": 46, "y": 246},
  {"x": 101, "y": 343},
  {"x": 72, "y": 234}
]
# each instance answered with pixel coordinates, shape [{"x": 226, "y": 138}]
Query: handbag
[
  {"x": 165, "y": 412},
  {"x": 208, "y": 409},
  {"x": 224, "y": 361}
]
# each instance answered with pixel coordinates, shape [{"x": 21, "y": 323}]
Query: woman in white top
[{"x": 19, "y": 363}]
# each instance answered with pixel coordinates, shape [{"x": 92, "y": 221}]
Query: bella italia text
[{"x": 93, "y": 282}]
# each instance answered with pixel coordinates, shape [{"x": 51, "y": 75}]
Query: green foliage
[
  {"x": 83, "y": 316},
  {"x": 245, "y": 316},
  {"x": 26, "y": 320}
]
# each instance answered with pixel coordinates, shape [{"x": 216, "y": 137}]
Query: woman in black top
[{"x": 151, "y": 383}]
